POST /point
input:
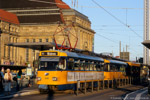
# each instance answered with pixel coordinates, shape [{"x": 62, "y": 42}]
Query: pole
[
  {"x": 98, "y": 85},
  {"x": 85, "y": 87},
  {"x": 120, "y": 49},
  {"x": 103, "y": 84},
  {"x": 92, "y": 86},
  {"x": 130, "y": 80},
  {"x": 108, "y": 84},
  {"x": 112, "y": 83},
  {"x": 119, "y": 82},
  {"x": 126, "y": 48},
  {"x": 125, "y": 81},
  {"x": 123, "y": 53},
  {"x": 77, "y": 89}
]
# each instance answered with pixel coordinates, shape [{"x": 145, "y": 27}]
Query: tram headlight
[
  {"x": 54, "y": 78},
  {"x": 38, "y": 78}
]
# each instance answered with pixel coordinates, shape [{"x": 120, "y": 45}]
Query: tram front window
[
  {"x": 48, "y": 65},
  {"x": 51, "y": 65}
]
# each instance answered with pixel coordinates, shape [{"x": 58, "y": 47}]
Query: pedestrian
[
  {"x": 8, "y": 80},
  {"x": 19, "y": 79},
  {"x": 1, "y": 83},
  {"x": 2, "y": 79}
]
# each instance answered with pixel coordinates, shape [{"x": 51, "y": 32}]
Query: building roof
[
  {"x": 61, "y": 4},
  {"x": 8, "y": 17},
  {"x": 36, "y": 11},
  {"x": 12, "y": 4}
]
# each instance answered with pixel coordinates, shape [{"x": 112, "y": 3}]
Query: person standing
[
  {"x": 8, "y": 80},
  {"x": 19, "y": 79},
  {"x": 2, "y": 79},
  {"x": 1, "y": 83}
]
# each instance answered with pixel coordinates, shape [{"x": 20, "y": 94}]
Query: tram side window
[
  {"x": 76, "y": 65},
  {"x": 105, "y": 67},
  {"x": 91, "y": 66},
  {"x": 101, "y": 67},
  {"x": 82, "y": 66},
  {"x": 94, "y": 66},
  {"x": 98, "y": 67},
  {"x": 118, "y": 68},
  {"x": 70, "y": 65},
  {"x": 62, "y": 64},
  {"x": 87, "y": 65},
  {"x": 122, "y": 68},
  {"x": 112, "y": 67}
]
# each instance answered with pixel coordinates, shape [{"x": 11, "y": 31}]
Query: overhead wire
[
  {"x": 104, "y": 10},
  {"x": 111, "y": 7},
  {"x": 73, "y": 3},
  {"x": 107, "y": 38},
  {"x": 116, "y": 41},
  {"x": 117, "y": 19}
]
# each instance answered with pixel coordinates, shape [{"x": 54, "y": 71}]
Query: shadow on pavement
[{"x": 50, "y": 95}]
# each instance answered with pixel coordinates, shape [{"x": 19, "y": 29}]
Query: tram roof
[
  {"x": 74, "y": 55},
  {"x": 116, "y": 62},
  {"x": 78, "y": 55},
  {"x": 134, "y": 64}
]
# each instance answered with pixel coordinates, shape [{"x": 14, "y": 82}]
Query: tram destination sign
[{"x": 49, "y": 53}]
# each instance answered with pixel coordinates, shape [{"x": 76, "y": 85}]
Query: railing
[{"x": 102, "y": 84}]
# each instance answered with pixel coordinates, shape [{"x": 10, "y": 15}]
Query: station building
[{"x": 28, "y": 26}]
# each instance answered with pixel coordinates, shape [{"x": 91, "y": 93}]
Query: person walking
[
  {"x": 19, "y": 79},
  {"x": 8, "y": 80}
]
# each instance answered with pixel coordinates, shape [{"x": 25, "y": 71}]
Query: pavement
[
  {"x": 107, "y": 94},
  {"x": 24, "y": 91}
]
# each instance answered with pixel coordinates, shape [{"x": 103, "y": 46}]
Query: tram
[
  {"x": 60, "y": 70},
  {"x": 114, "y": 69}
]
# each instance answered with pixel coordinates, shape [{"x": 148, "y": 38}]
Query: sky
[{"x": 112, "y": 28}]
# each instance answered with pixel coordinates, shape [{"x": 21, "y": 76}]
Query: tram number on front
[{"x": 46, "y": 77}]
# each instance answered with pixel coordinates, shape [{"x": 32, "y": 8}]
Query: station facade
[{"x": 35, "y": 24}]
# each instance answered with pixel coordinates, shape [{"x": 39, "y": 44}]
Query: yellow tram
[
  {"x": 60, "y": 70},
  {"x": 114, "y": 69}
]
